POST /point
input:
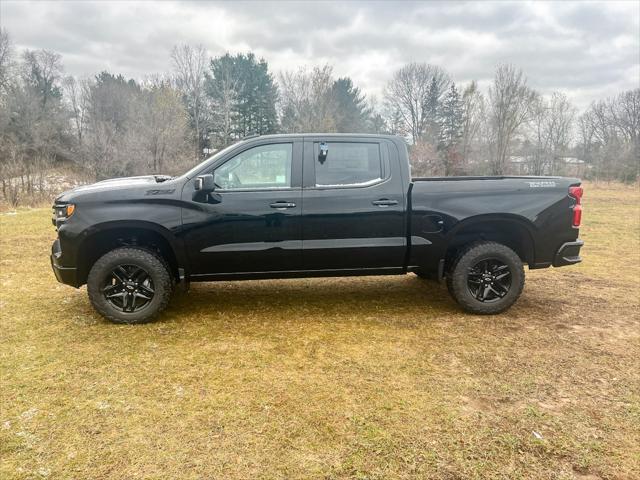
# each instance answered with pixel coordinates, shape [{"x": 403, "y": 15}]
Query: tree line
[{"x": 109, "y": 125}]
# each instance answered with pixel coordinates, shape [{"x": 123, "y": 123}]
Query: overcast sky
[{"x": 588, "y": 50}]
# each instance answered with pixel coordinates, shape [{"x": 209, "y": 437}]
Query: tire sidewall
[
  {"x": 473, "y": 256},
  {"x": 129, "y": 256}
]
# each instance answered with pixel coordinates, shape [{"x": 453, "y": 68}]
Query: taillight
[
  {"x": 576, "y": 192},
  {"x": 577, "y": 215}
]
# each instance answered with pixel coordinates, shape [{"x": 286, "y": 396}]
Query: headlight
[{"x": 63, "y": 212}]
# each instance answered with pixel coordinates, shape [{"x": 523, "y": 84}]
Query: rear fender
[{"x": 515, "y": 231}]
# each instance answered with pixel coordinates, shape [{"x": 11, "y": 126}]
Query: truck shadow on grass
[
  {"x": 345, "y": 297},
  {"x": 359, "y": 298}
]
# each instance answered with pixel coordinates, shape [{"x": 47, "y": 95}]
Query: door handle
[
  {"x": 282, "y": 205},
  {"x": 384, "y": 202}
]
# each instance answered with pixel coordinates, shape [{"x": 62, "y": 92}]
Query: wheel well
[
  {"x": 99, "y": 243},
  {"x": 507, "y": 232}
]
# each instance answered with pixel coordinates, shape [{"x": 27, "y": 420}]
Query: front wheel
[
  {"x": 129, "y": 285},
  {"x": 486, "y": 278}
]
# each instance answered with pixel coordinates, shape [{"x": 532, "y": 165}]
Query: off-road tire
[
  {"x": 156, "y": 267},
  {"x": 458, "y": 275}
]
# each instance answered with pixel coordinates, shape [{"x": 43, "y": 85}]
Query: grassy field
[{"x": 378, "y": 377}]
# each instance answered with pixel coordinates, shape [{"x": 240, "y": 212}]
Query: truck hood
[{"x": 113, "y": 184}]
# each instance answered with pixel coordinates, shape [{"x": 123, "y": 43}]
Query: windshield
[{"x": 216, "y": 155}]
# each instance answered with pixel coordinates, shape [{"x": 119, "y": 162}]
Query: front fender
[{"x": 97, "y": 239}]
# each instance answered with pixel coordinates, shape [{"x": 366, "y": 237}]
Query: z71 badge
[{"x": 168, "y": 191}]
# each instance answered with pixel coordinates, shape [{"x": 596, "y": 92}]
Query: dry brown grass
[{"x": 378, "y": 377}]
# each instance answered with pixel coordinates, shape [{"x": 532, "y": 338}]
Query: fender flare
[
  {"x": 175, "y": 243},
  {"x": 521, "y": 222}
]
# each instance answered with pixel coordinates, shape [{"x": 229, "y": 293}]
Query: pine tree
[
  {"x": 244, "y": 95},
  {"x": 378, "y": 124},
  {"x": 352, "y": 113},
  {"x": 432, "y": 113},
  {"x": 396, "y": 124}
]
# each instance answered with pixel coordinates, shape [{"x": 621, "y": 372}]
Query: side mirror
[
  {"x": 324, "y": 151},
  {"x": 205, "y": 183}
]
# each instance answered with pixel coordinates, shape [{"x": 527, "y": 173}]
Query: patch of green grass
[{"x": 380, "y": 377}]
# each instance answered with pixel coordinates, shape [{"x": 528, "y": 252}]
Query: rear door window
[{"x": 347, "y": 164}]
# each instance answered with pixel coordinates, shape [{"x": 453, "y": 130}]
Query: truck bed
[
  {"x": 529, "y": 213},
  {"x": 481, "y": 177}
]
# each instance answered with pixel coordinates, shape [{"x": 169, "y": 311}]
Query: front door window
[{"x": 263, "y": 167}]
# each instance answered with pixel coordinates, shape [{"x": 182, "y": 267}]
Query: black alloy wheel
[
  {"x": 489, "y": 280},
  {"x": 128, "y": 288}
]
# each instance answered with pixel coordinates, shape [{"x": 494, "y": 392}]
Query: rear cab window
[{"x": 347, "y": 164}]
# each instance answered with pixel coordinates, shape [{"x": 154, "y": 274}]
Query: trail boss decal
[{"x": 542, "y": 184}]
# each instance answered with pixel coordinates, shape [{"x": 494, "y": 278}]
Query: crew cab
[{"x": 305, "y": 205}]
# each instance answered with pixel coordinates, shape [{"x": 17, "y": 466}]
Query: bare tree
[
  {"x": 610, "y": 136},
  {"x": 37, "y": 131},
  {"x": 408, "y": 94},
  {"x": 41, "y": 70},
  {"x": 626, "y": 115},
  {"x": 585, "y": 134},
  {"x": 163, "y": 126},
  {"x": 550, "y": 130},
  {"x": 324, "y": 104},
  {"x": 77, "y": 97},
  {"x": 473, "y": 106},
  {"x": 6, "y": 59},
  {"x": 425, "y": 160},
  {"x": 295, "y": 100},
  {"x": 537, "y": 135},
  {"x": 190, "y": 65},
  {"x": 394, "y": 121},
  {"x": 8, "y": 147},
  {"x": 306, "y": 100},
  {"x": 559, "y": 128},
  {"x": 222, "y": 85},
  {"x": 113, "y": 105},
  {"x": 510, "y": 105}
]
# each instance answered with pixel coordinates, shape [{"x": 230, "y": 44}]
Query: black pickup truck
[{"x": 281, "y": 206}]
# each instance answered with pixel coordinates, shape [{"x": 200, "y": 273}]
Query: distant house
[
  {"x": 573, "y": 166},
  {"x": 519, "y": 165},
  {"x": 569, "y": 166}
]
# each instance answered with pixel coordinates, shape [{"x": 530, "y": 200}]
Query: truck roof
[{"x": 320, "y": 134}]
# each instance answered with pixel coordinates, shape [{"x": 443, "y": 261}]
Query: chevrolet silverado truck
[{"x": 307, "y": 205}]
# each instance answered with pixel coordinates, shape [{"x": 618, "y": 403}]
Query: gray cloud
[{"x": 588, "y": 50}]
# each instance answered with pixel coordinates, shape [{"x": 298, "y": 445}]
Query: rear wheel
[
  {"x": 486, "y": 278},
  {"x": 129, "y": 285}
]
